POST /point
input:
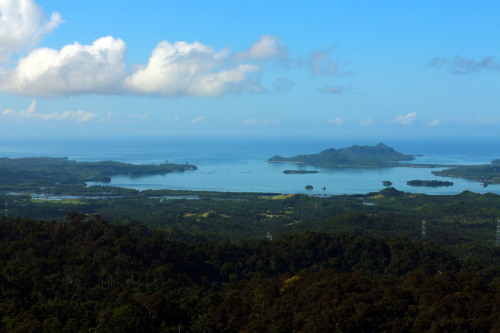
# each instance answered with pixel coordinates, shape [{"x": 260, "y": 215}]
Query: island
[
  {"x": 485, "y": 174},
  {"x": 429, "y": 183},
  {"x": 299, "y": 172},
  {"x": 379, "y": 155},
  {"x": 309, "y": 187},
  {"x": 386, "y": 183}
]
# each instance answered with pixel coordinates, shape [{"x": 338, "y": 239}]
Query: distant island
[
  {"x": 486, "y": 173},
  {"x": 379, "y": 155},
  {"x": 300, "y": 172},
  {"x": 429, "y": 183}
]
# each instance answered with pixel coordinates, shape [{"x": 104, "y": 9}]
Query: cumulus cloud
[
  {"x": 22, "y": 26},
  {"x": 406, "y": 120},
  {"x": 282, "y": 85},
  {"x": 75, "y": 69},
  {"x": 173, "y": 70},
  {"x": 336, "y": 121},
  {"x": 178, "y": 69},
  {"x": 434, "y": 122},
  {"x": 192, "y": 69},
  {"x": 461, "y": 66},
  {"x": 335, "y": 90},
  {"x": 266, "y": 48},
  {"x": 79, "y": 116}
]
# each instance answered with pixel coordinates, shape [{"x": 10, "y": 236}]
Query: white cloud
[
  {"x": 274, "y": 121},
  {"x": 75, "y": 69},
  {"x": 174, "y": 69},
  {"x": 266, "y": 48},
  {"x": 30, "y": 112},
  {"x": 263, "y": 122},
  {"x": 182, "y": 69},
  {"x": 22, "y": 26},
  {"x": 366, "y": 122},
  {"x": 140, "y": 116},
  {"x": 196, "y": 120},
  {"x": 176, "y": 119},
  {"x": 406, "y": 120},
  {"x": 336, "y": 121},
  {"x": 434, "y": 122},
  {"x": 79, "y": 116},
  {"x": 178, "y": 69},
  {"x": 251, "y": 122}
]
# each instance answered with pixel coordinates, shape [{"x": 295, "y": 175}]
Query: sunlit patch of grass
[
  {"x": 205, "y": 215},
  {"x": 278, "y": 197},
  {"x": 61, "y": 201}
]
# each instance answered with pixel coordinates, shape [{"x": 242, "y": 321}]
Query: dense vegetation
[
  {"x": 464, "y": 224},
  {"x": 33, "y": 173},
  {"x": 429, "y": 183},
  {"x": 489, "y": 173},
  {"x": 180, "y": 261},
  {"x": 85, "y": 274},
  {"x": 379, "y": 155}
]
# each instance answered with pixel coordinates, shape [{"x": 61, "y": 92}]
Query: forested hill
[
  {"x": 85, "y": 274},
  {"x": 35, "y": 172},
  {"x": 379, "y": 155}
]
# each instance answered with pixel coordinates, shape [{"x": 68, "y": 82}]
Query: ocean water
[{"x": 238, "y": 164}]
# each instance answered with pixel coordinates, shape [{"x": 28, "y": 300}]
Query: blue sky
[{"x": 249, "y": 67}]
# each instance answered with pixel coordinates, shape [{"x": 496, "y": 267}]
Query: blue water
[{"x": 238, "y": 164}]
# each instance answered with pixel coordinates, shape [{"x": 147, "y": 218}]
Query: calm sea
[{"x": 238, "y": 164}]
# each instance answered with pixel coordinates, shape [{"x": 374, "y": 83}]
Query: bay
[{"x": 238, "y": 164}]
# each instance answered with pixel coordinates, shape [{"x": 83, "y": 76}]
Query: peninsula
[
  {"x": 379, "y": 155},
  {"x": 486, "y": 173},
  {"x": 37, "y": 172}
]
